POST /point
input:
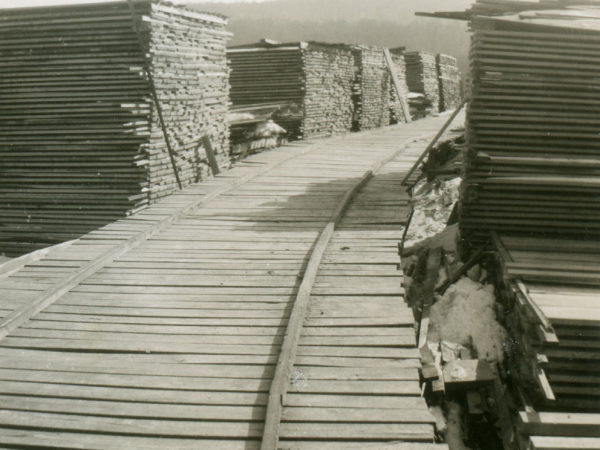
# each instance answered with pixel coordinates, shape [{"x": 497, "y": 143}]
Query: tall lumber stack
[
  {"x": 328, "y": 84},
  {"x": 326, "y": 88},
  {"x": 396, "y": 112},
  {"x": 313, "y": 80},
  {"x": 263, "y": 74},
  {"x": 422, "y": 76},
  {"x": 372, "y": 88},
  {"x": 449, "y": 81},
  {"x": 532, "y": 188},
  {"x": 189, "y": 68},
  {"x": 81, "y": 145},
  {"x": 532, "y": 164},
  {"x": 550, "y": 290}
]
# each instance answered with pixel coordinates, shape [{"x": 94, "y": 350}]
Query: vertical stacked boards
[
  {"x": 550, "y": 290},
  {"x": 449, "y": 82},
  {"x": 265, "y": 74},
  {"x": 532, "y": 164},
  {"x": 80, "y": 142},
  {"x": 311, "y": 81},
  {"x": 372, "y": 88},
  {"x": 422, "y": 76},
  {"x": 328, "y": 83},
  {"x": 396, "y": 111}
]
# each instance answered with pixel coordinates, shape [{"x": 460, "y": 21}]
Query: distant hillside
[{"x": 389, "y": 23}]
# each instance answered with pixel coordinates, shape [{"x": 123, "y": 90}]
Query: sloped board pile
[
  {"x": 372, "y": 88},
  {"x": 263, "y": 74},
  {"x": 189, "y": 68},
  {"x": 396, "y": 114},
  {"x": 329, "y": 79},
  {"x": 422, "y": 76},
  {"x": 550, "y": 289},
  {"x": 79, "y": 143},
  {"x": 532, "y": 163},
  {"x": 449, "y": 80}
]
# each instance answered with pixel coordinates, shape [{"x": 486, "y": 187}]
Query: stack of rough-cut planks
[
  {"x": 372, "y": 87},
  {"x": 449, "y": 80},
  {"x": 422, "y": 76},
  {"x": 334, "y": 87},
  {"x": 314, "y": 78},
  {"x": 396, "y": 112},
  {"x": 189, "y": 68},
  {"x": 328, "y": 83},
  {"x": 80, "y": 144},
  {"x": 266, "y": 73},
  {"x": 533, "y": 156},
  {"x": 551, "y": 289}
]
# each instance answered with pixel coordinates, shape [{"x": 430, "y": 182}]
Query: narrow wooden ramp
[{"x": 163, "y": 330}]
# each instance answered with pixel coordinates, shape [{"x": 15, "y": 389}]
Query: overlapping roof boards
[
  {"x": 532, "y": 181},
  {"x": 80, "y": 141}
]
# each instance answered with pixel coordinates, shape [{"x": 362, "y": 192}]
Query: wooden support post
[
  {"x": 210, "y": 155},
  {"x": 154, "y": 94},
  {"x": 403, "y": 103}
]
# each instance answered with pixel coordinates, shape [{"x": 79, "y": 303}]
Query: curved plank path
[{"x": 270, "y": 292}]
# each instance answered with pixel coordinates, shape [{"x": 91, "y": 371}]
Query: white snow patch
[
  {"x": 465, "y": 314},
  {"x": 433, "y": 203}
]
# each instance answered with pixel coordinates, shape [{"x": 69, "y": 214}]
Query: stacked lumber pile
[
  {"x": 396, "y": 114},
  {"x": 372, "y": 88},
  {"x": 266, "y": 73},
  {"x": 550, "y": 289},
  {"x": 329, "y": 80},
  {"x": 81, "y": 145},
  {"x": 422, "y": 76},
  {"x": 532, "y": 163},
  {"x": 189, "y": 68},
  {"x": 449, "y": 79}
]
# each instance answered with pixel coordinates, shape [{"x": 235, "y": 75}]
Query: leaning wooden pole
[
  {"x": 154, "y": 93},
  {"x": 403, "y": 103},
  {"x": 433, "y": 142}
]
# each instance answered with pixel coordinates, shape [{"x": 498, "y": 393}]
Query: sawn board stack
[
  {"x": 396, "y": 113},
  {"x": 268, "y": 74},
  {"x": 449, "y": 80},
  {"x": 328, "y": 83},
  {"x": 422, "y": 76},
  {"x": 550, "y": 288},
  {"x": 532, "y": 163},
  {"x": 324, "y": 89},
  {"x": 372, "y": 88},
  {"x": 80, "y": 141}
]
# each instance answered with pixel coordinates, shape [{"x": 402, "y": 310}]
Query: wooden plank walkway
[{"x": 163, "y": 330}]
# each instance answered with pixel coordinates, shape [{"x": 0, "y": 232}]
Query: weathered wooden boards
[
  {"x": 173, "y": 343},
  {"x": 372, "y": 88},
  {"x": 333, "y": 88},
  {"x": 532, "y": 159},
  {"x": 553, "y": 288},
  {"x": 449, "y": 82},
  {"x": 422, "y": 76},
  {"x": 80, "y": 146},
  {"x": 356, "y": 371},
  {"x": 328, "y": 83}
]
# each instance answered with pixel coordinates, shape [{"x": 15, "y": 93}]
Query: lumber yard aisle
[{"x": 174, "y": 328}]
